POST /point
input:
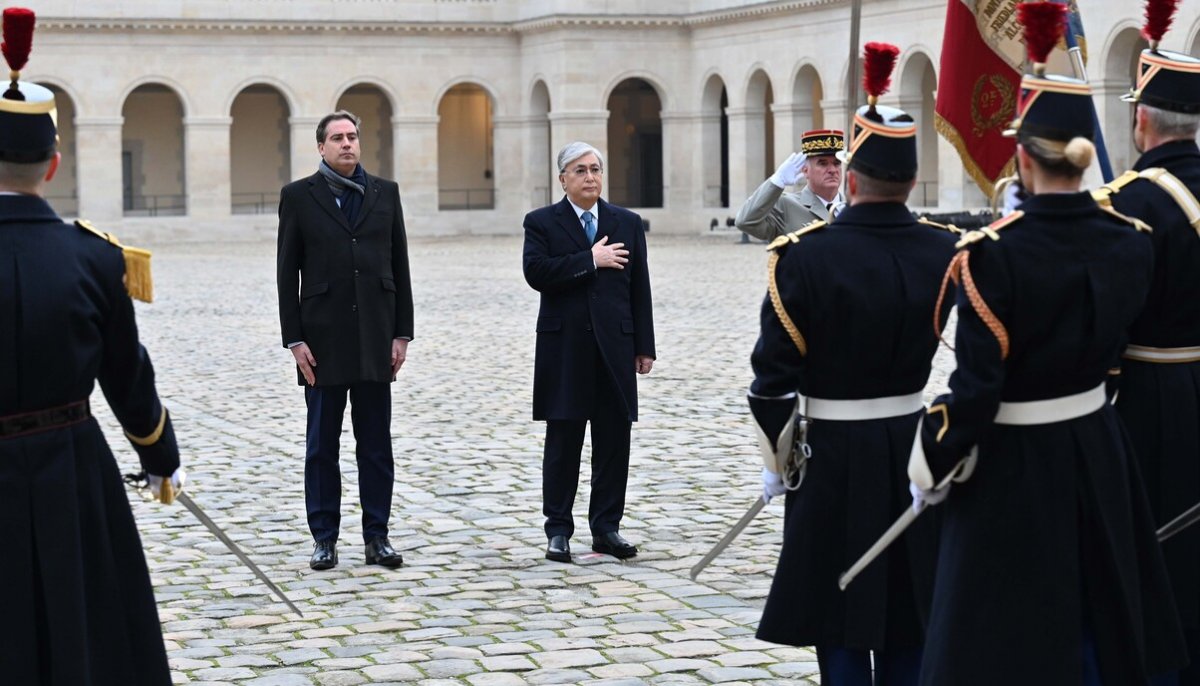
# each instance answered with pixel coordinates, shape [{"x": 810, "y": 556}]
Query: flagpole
[
  {"x": 852, "y": 70},
  {"x": 1081, "y": 73}
]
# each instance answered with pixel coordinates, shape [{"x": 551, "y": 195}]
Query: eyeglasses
[{"x": 581, "y": 171}]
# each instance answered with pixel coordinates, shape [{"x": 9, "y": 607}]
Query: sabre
[
  {"x": 1180, "y": 523},
  {"x": 728, "y": 538},
  {"x": 139, "y": 481},
  {"x": 902, "y": 522}
]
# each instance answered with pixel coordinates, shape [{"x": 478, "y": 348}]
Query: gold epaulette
[
  {"x": 989, "y": 231},
  {"x": 138, "y": 282},
  {"x": 1133, "y": 221},
  {"x": 944, "y": 227},
  {"x": 794, "y": 236},
  {"x": 1103, "y": 194}
]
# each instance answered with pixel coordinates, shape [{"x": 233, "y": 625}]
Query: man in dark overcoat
[
  {"x": 845, "y": 329},
  {"x": 1159, "y": 383},
  {"x": 595, "y": 329},
  {"x": 345, "y": 306},
  {"x": 78, "y": 603}
]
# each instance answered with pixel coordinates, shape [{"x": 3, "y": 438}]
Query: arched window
[
  {"x": 375, "y": 133},
  {"x": 714, "y": 137},
  {"x": 152, "y": 169},
  {"x": 918, "y": 84},
  {"x": 760, "y": 129},
  {"x": 465, "y": 178},
  {"x": 807, "y": 94},
  {"x": 1120, "y": 67},
  {"x": 62, "y": 192},
  {"x": 260, "y": 156},
  {"x": 541, "y": 157},
  {"x": 634, "y": 167}
]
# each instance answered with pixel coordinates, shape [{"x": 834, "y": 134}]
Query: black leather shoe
[
  {"x": 559, "y": 549},
  {"x": 324, "y": 555},
  {"x": 380, "y": 552},
  {"x": 611, "y": 543}
]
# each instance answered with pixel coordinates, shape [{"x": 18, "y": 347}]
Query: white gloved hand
[
  {"x": 789, "y": 172},
  {"x": 772, "y": 485},
  {"x": 163, "y": 489},
  {"x": 921, "y": 497}
]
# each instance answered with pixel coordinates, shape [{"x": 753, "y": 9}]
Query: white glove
[
  {"x": 772, "y": 485},
  {"x": 789, "y": 172},
  {"x": 922, "y": 498},
  {"x": 162, "y": 489}
]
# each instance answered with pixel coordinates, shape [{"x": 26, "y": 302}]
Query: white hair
[
  {"x": 1172, "y": 124},
  {"x": 573, "y": 151}
]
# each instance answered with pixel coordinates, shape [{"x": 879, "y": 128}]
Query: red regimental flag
[{"x": 977, "y": 91}]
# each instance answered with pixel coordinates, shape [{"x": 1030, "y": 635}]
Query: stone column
[
  {"x": 206, "y": 154},
  {"x": 589, "y": 126},
  {"x": 683, "y": 187},
  {"x": 746, "y": 154},
  {"x": 508, "y": 169},
  {"x": 98, "y": 168},
  {"x": 791, "y": 121},
  {"x": 706, "y": 160},
  {"x": 539, "y": 178},
  {"x": 414, "y": 139},
  {"x": 303, "y": 145}
]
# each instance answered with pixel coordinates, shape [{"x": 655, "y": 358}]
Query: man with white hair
[
  {"x": 1159, "y": 382},
  {"x": 771, "y": 211},
  {"x": 595, "y": 329}
]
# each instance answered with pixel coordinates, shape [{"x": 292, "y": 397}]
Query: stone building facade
[{"x": 191, "y": 114}]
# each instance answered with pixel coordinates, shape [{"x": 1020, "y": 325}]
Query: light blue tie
[{"x": 589, "y": 225}]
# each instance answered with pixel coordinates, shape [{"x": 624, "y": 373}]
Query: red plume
[
  {"x": 18, "y": 36},
  {"x": 878, "y": 61},
  {"x": 1159, "y": 14},
  {"x": 1043, "y": 23}
]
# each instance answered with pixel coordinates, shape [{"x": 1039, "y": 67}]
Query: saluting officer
[
  {"x": 1048, "y": 569},
  {"x": 845, "y": 326},
  {"x": 771, "y": 211},
  {"x": 1159, "y": 396},
  {"x": 79, "y": 608}
]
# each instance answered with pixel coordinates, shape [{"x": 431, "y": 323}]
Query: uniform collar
[
  {"x": 24, "y": 208},
  {"x": 1059, "y": 203},
  {"x": 1167, "y": 152},
  {"x": 876, "y": 214}
]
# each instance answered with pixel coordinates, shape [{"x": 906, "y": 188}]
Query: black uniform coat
[
  {"x": 586, "y": 312},
  {"x": 355, "y": 296},
  {"x": 79, "y": 609},
  {"x": 861, "y": 292},
  {"x": 1160, "y": 403},
  {"x": 1052, "y": 530}
]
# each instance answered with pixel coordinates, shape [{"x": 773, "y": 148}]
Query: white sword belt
[
  {"x": 1053, "y": 409},
  {"x": 863, "y": 409},
  {"x": 1145, "y": 353}
]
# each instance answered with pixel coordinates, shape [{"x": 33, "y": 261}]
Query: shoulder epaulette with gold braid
[
  {"x": 138, "y": 282},
  {"x": 773, "y": 288},
  {"x": 1165, "y": 180},
  {"x": 1133, "y": 221},
  {"x": 989, "y": 231},
  {"x": 944, "y": 227},
  {"x": 1103, "y": 194},
  {"x": 789, "y": 238}
]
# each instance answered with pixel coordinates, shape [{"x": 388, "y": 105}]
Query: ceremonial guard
[
  {"x": 1159, "y": 383},
  {"x": 845, "y": 337},
  {"x": 1048, "y": 569},
  {"x": 771, "y": 211},
  {"x": 79, "y": 608}
]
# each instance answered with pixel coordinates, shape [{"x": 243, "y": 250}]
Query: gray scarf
[{"x": 339, "y": 184}]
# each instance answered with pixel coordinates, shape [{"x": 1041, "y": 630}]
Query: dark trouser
[
  {"x": 847, "y": 667},
  {"x": 610, "y": 464},
  {"x": 370, "y": 415}
]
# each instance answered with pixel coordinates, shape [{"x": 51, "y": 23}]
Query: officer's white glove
[
  {"x": 772, "y": 485},
  {"x": 163, "y": 489},
  {"x": 921, "y": 497},
  {"x": 789, "y": 172}
]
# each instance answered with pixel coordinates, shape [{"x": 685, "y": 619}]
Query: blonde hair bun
[{"x": 1080, "y": 152}]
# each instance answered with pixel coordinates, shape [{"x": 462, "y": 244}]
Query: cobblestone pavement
[{"x": 475, "y": 602}]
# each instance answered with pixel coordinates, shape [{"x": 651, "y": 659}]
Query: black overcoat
[
  {"x": 344, "y": 290},
  {"x": 1160, "y": 403},
  {"x": 861, "y": 292},
  {"x": 586, "y": 312},
  {"x": 1052, "y": 531},
  {"x": 79, "y": 608}
]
